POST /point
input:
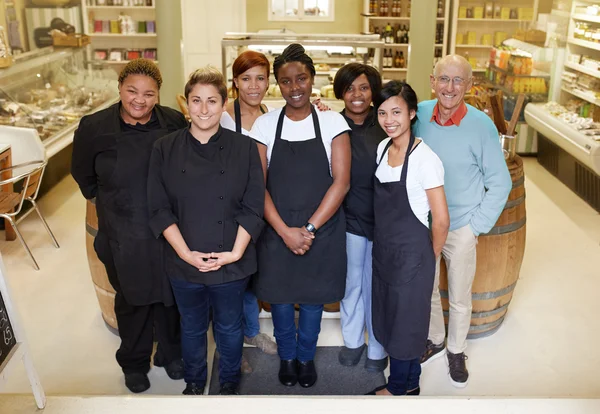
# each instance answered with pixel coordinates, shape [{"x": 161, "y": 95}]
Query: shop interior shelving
[
  {"x": 376, "y": 20},
  {"x": 566, "y": 151},
  {"x": 478, "y": 53},
  {"x": 110, "y": 41}
]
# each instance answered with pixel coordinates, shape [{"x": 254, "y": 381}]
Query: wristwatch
[{"x": 310, "y": 228}]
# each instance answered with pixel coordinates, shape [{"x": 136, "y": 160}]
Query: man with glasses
[{"x": 477, "y": 184}]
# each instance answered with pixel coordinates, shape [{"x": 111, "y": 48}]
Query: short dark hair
[
  {"x": 348, "y": 74},
  {"x": 401, "y": 89},
  {"x": 141, "y": 66},
  {"x": 207, "y": 75},
  {"x": 293, "y": 53}
]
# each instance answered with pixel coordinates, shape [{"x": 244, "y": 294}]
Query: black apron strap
[
  {"x": 262, "y": 109},
  {"x": 405, "y": 165},
  {"x": 316, "y": 124},
  {"x": 387, "y": 147},
  {"x": 238, "y": 116}
]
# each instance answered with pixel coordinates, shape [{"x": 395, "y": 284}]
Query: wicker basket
[
  {"x": 6, "y": 61},
  {"x": 72, "y": 40}
]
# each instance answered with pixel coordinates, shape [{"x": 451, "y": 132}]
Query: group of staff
[{"x": 297, "y": 205}]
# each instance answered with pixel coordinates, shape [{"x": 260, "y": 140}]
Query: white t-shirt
[
  {"x": 332, "y": 124},
  {"x": 228, "y": 122},
  {"x": 425, "y": 171}
]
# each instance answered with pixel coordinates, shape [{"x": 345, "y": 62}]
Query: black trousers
[{"x": 140, "y": 326}]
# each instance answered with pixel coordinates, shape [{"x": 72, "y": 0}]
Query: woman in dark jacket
[
  {"x": 111, "y": 152},
  {"x": 206, "y": 193}
]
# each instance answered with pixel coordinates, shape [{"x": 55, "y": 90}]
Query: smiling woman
[
  {"x": 302, "y": 255},
  {"x": 206, "y": 195}
]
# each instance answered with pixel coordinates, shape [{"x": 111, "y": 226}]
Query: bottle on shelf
[
  {"x": 384, "y": 8},
  {"x": 402, "y": 60},
  {"x": 389, "y": 35},
  {"x": 397, "y": 60},
  {"x": 408, "y": 9},
  {"x": 372, "y": 6},
  {"x": 398, "y": 34},
  {"x": 440, "y": 8},
  {"x": 390, "y": 62},
  {"x": 376, "y": 8}
]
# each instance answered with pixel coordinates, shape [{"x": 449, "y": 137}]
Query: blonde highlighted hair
[{"x": 208, "y": 75}]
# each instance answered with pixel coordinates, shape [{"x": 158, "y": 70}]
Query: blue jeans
[
  {"x": 355, "y": 308},
  {"x": 404, "y": 375},
  {"x": 226, "y": 300},
  {"x": 309, "y": 325},
  {"x": 251, "y": 311}
]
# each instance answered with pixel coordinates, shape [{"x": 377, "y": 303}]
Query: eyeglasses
[{"x": 457, "y": 81}]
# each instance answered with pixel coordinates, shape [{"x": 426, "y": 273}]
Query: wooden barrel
[
  {"x": 499, "y": 257},
  {"x": 104, "y": 291}
]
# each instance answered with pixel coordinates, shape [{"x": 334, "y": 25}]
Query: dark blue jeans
[
  {"x": 251, "y": 311},
  {"x": 193, "y": 301},
  {"x": 309, "y": 325},
  {"x": 404, "y": 375}
]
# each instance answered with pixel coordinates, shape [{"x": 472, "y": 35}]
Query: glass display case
[
  {"x": 328, "y": 51},
  {"x": 51, "y": 89}
]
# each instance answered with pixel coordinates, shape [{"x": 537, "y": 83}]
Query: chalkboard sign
[{"x": 7, "y": 336}]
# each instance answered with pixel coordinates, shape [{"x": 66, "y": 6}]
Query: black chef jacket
[
  {"x": 96, "y": 135},
  {"x": 110, "y": 162},
  {"x": 358, "y": 204},
  {"x": 208, "y": 190}
]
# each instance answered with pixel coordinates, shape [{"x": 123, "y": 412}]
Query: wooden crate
[{"x": 73, "y": 40}]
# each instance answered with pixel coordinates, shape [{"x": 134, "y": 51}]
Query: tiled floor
[{"x": 546, "y": 347}]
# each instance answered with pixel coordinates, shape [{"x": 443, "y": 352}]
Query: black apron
[
  {"x": 123, "y": 216},
  {"x": 238, "y": 115},
  {"x": 297, "y": 181},
  {"x": 403, "y": 270}
]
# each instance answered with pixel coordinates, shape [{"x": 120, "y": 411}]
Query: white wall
[{"x": 204, "y": 22}]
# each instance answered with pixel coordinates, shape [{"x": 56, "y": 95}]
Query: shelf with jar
[
  {"x": 121, "y": 30},
  {"x": 391, "y": 21},
  {"x": 479, "y": 25},
  {"x": 569, "y": 126}
]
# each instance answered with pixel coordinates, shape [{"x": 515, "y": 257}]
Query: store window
[{"x": 286, "y": 10}]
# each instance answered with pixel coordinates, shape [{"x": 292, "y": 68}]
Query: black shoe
[
  {"x": 374, "y": 392},
  {"x": 137, "y": 382},
  {"x": 416, "y": 391},
  {"x": 288, "y": 372},
  {"x": 174, "y": 368},
  {"x": 457, "y": 369},
  {"x": 229, "y": 388},
  {"x": 307, "y": 374},
  {"x": 192, "y": 388},
  {"x": 349, "y": 357},
  {"x": 376, "y": 365},
  {"x": 432, "y": 352}
]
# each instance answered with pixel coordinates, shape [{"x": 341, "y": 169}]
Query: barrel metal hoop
[
  {"x": 507, "y": 228},
  {"x": 519, "y": 182},
  {"x": 492, "y": 328},
  {"x": 514, "y": 203},
  {"x": 485, "y": 314},
  {"x": 485, "y": 295},
  {"x": 92, "y": 231}
]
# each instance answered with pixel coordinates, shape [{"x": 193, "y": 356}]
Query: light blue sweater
[{"x": 476, "y": 181}]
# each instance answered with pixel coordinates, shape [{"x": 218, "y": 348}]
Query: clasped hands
[
  {"x": 298, "y": 239},
  {"x": 209, "y": 262}
]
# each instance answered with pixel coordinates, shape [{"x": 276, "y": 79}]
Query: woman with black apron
[
  {"x": 302, "y": 253},
  {"x": 409, "y": 184},
  {"x": 111, "y": 152},
  {"x": 357, "y": 84},
  {"x": 249, "y": 85}
]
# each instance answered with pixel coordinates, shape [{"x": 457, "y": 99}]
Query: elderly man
[{"x": 477, "y": 184}]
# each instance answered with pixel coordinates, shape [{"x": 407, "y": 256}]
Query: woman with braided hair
[{"x": 302, "y": 253}]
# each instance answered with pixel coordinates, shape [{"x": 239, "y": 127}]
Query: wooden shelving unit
[{"x": 371, "y": 21}]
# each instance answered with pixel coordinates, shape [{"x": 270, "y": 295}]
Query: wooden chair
[
  {"x": 11, "y": 202},
  {"x": 183, "y": 106}
]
